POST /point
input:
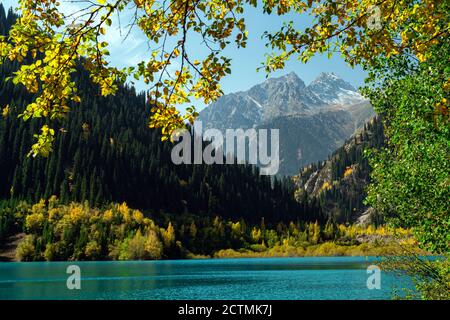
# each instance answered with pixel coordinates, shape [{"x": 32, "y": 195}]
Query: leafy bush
[
  {"x": 26, "y": 250},
  {"x": 78, "y": 232}
]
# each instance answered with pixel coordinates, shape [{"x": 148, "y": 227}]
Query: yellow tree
[{"x": 169, "y": 235}]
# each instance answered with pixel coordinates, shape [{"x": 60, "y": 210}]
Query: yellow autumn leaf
[{"x": 5, "y": 111}]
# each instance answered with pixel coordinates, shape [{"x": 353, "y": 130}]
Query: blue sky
[{"x": 244, "y": 61}]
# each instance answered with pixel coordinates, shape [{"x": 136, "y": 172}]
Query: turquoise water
[{"x": 268, "y": 278}]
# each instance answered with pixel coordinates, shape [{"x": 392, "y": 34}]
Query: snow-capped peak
[{"x": 334, "y": 90}]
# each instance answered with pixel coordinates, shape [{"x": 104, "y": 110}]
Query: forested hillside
[
  {"x": 105, "y": 152},
  {"x": 340, "y": 182}
]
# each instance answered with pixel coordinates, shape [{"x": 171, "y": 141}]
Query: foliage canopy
[{"x": 55, "y": 40}]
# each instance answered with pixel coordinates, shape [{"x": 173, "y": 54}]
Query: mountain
[
  {"x": 283, "y": 96},
  {"x": 333, "y": 90},
  {"x": 313, "y": 119},
  {"x": 308, "y": 139},
  {"x": 339, "y": 182}
]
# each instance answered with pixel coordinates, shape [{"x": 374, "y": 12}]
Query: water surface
[{"x": 265, "y": 278}]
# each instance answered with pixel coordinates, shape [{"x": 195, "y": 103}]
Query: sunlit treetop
[
  {"x": 49, "y": 44},
  {"x": 362, "y": 31}
]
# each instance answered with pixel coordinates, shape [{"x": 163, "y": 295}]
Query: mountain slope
[
  {"x": 305, "y": 139},
  {"x": 339, "y": 182}
]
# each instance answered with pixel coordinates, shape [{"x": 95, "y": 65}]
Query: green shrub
[{"x": 26, "y": 250}]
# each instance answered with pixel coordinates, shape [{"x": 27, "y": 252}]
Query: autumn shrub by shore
[{"x": 326, "y": 249}]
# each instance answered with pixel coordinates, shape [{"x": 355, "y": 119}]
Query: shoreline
[{"x": 326, "y": 249}]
